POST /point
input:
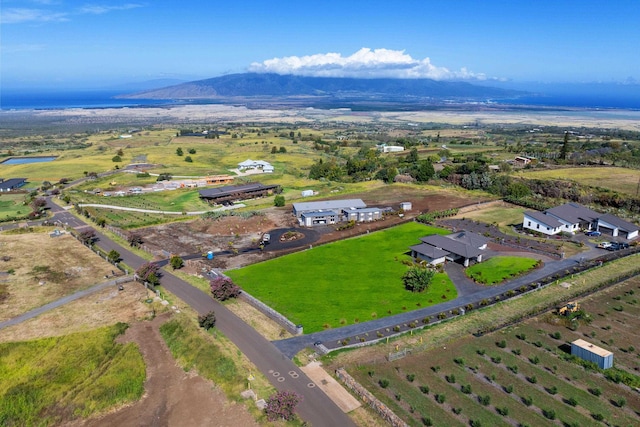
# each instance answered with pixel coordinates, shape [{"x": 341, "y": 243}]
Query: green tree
[
  {"x": 274, "y": 149},
  {"x": 188, "y": 159},
  {"x": 424, "y": 171},
  {"x": 113, "y": 256},
  {"x": 179, "y": 151},
  {"x": 279, "y": 200},
  {"x": 417, "y": 279},
  {"x": 176, "y": 262},
  {"x": 149, "y": 272},
  {"x": 412, "y": 157},
  {"x": 192, "y": 151}
]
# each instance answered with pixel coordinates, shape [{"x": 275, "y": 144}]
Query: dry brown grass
[
  {"x": 63, "y": 266},
  {"x": 258, "y": 321},
  {"x": 100, "y": 309}
]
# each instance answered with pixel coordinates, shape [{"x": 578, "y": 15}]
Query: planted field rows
[{"x": 523, "y": 375}]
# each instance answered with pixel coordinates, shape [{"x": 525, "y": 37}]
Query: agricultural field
[
  {"x": 363, "y": 283},
  {"x": 42, "y": 269},
  {"x": 520, "y": 375},
  {"x": 618, "y": 179},
  {"x": 60, "y": 378}
]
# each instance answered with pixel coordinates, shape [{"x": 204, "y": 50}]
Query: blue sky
[{"x": 69, "y": 43}]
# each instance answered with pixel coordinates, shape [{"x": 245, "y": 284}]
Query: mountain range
[{"x": 301, "y": 89}]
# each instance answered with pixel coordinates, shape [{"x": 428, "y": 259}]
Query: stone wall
[{"x": 369, "y": 399}]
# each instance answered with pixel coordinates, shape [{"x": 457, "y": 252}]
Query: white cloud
[
  {"x": 23, "y": 15},
  {"x": 100, "y": 9},
  {"x": 365, "y": 63}
]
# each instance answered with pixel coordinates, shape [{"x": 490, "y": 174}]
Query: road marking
[
  {"x": 311, "y": 385},
  {"x": 293, "y": 374},
  {"x": 281, "y": 379},
  {"x": 276, "y": 374}
]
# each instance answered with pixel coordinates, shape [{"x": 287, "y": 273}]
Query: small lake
[{"x": 25, "y": 160}]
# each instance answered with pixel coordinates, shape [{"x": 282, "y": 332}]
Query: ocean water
[
  {"x": 45, "y": 100},
  {"x": 27, "y": 100}
]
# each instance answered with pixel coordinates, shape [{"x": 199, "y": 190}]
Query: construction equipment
[{"x": 567, "y": 309}]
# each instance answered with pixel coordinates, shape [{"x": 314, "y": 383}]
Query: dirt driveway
[{"x": 172, "y": 396}]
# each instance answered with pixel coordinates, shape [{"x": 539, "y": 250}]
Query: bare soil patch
[
  {"x": 172, "y": 396},
  {"x": 45, "y": 269}
]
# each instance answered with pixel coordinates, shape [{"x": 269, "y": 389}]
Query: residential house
[
  {"x": 11, "y": 184},
  {"x": 463, "y": 246},
  {"x": 255, "y": 165},
  {"x": 327, "y": 205},
  {"x": 573, "y": 217}
]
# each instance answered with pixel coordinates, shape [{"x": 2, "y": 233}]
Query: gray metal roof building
[{"x": 327, "y": 205}]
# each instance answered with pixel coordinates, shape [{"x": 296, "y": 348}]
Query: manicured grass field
[
  {"x": 70, "y": 376},
  {"x": 618, "y": 179},
  {"x": 345, "y": 282},
  {"x": 11, "y": 206},
  {"x": 499, "y": 268}
]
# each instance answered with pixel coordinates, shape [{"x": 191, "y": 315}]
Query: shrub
[
  {"x": 427, "y": 421},
  {"x": 279, "y": 200},
  {"x": 176, "y": 262},
  {"x": 208, "y": 320},
  {"x": 451, "y": 379},
  {"x": 504, "y": 411},
  {"x": 435, "y": 369},
  {"x": 533, "y": 379},
  {"x": 481, "y": 351},
  {"x": 223, "y": 288},
  {"x": 522, "y": 337},
  {"x": 282, "y": 405},
  {"x": 466, "y": 389},
  {"x": 484, "y": 400},
  {"x": 556, "y": 335},
  {"x": 508, "y": 389},
  {"x": 552, "y": 390},
  {"x": 456, "y": 411},
  {"x": 571, "y": 401},
  {"x": 417, "y": 279},
  {"x": 149, "y": 272},
  {"x": 620, "y": 402},
  {"x": 384, "y": 383},
  {"x": 424, "y": 389},
  {"x": 549, "y": 414},
  {"x": 598, "y": 417},
  {"x": 475, "y": 423},
  {"x": 411, "y": 377},
  {"x": 501, "y": 344},
  {"x": 496, "y": 359},
  {"x": 516, "y": 351},
  {"x": 534, "y": 360},
  {"x": 513, "y": 369},
  {"x": 458, "y": 361},
  {"x": 596, "y": 391},
  {"x": 440, "y": 398},
  {"x": 527, "y": 401}
]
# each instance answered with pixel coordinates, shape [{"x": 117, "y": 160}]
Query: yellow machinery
[{"x": 568, "y": 308}]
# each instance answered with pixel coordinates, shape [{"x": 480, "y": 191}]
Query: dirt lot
[
  {"x": 172, "y": 396},
  {"x": 44, "y": 269}
]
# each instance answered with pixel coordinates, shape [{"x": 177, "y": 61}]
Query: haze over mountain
[{"x": 260, "y": 85}]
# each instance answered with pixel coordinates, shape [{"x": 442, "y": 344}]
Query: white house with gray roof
[
  {"x": 463, "y": 246},
  {"x": 573, "y": 217}
]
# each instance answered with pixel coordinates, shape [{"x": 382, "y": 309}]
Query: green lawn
[
  {"x": 11, "y": 206},
  {"x": 66, "y": 377},
  {"x": 499, "y": 268},
  {"x": 345, "y": 282}
]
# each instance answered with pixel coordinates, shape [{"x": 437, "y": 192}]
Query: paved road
[
  {"x": 122, "y": 208},
  {"x": 316, "y": 408}
]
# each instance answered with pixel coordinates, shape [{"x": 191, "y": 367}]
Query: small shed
[
  {"x": 405, "y": 206},
  {"x": 592, "y": 353}
]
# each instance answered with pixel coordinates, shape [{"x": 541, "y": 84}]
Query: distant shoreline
[{"x": 217, "y": 113}]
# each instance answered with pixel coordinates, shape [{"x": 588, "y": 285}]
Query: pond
[{"x": 25, "y": 160}]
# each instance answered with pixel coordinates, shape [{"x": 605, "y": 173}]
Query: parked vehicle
[
  {"x": 593, "y": 233},
  {"x": 604, "y": 245}
]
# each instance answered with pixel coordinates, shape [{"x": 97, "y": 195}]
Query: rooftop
[{"x": 592, "y": 348}]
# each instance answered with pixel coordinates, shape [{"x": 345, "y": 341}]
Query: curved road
[{"x": 316, "y": 408}]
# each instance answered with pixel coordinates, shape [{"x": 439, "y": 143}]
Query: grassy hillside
[{"x": 51, "y": 379}]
